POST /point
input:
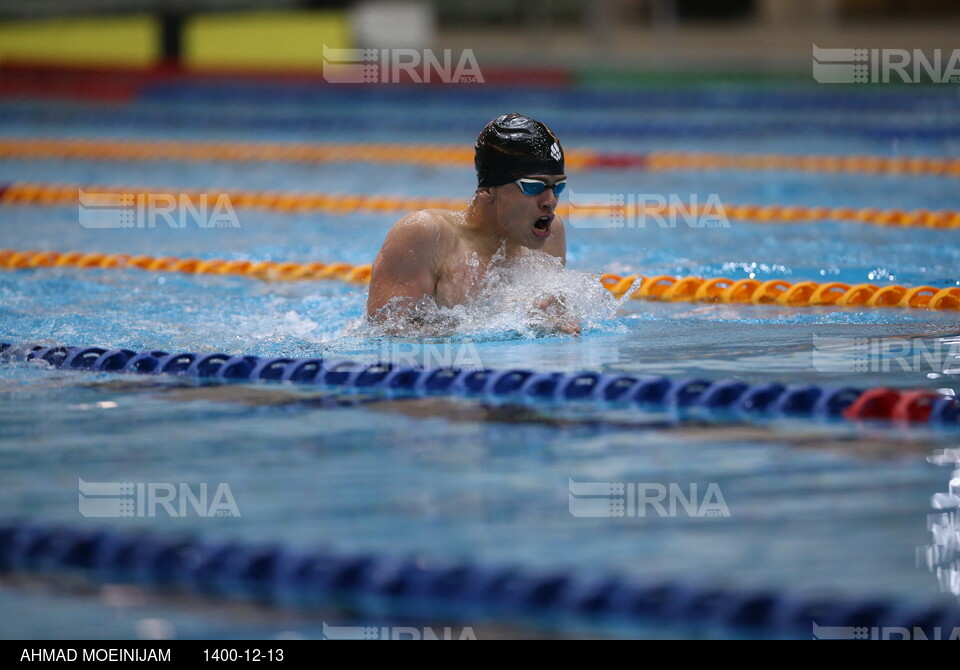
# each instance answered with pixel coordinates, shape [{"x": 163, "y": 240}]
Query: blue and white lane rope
[{"x": 729, "y": 395}]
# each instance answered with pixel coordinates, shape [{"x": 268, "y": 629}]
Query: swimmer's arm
[{"x": 405, "y": 271}]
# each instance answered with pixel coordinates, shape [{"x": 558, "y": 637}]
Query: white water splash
[
  {"x": 278, "y": 326},
  {"x": 532, "y": 295}
]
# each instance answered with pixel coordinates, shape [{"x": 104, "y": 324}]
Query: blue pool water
[{"x": 814, "y": 507}]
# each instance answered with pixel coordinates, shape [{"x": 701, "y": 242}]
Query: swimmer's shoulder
[
  {"x": 418, "y": 227},
  {"x": 423, "y": 234},
  {"x": 432, "y": 227}
]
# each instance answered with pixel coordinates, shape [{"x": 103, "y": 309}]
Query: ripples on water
[{"x": 821, "y": 508}]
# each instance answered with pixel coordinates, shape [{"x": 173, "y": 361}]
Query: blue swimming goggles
[{"x": 536, "y": 187}]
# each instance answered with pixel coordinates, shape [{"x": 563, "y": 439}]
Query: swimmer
[{"x": 442, "y": 256}]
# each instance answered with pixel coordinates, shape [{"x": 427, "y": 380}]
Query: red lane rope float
[
  {"x": 420, "y": 154},
  {"x": 907, "y": 406},
  {"x": 876, "y": 403},
  {"x": 666, "y": 288},
  {"x": 914, "y": 406},
  {"x": 25, "y": 193}
]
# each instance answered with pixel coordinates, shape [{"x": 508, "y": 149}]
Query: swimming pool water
[{"x": 815, "y": 507}]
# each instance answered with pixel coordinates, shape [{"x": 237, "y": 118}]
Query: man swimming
[{"x": 439, "y": 258}]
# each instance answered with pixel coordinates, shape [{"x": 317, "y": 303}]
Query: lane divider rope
[
  {"x": 664, "y": 288},
  {"x": 746, "y": 99},
  {"x": 587, "y": 88},
  {"x": 420, "y": 586},
  {"x": 730, "y": 397},
  {"x": 11, "y": 259},
  {"x": 46, "y": 194},
  {"x": 361, "y": 120},
  {"x": 448, "y": 155}
]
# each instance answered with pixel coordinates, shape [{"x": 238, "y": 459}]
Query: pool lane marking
[
  {"x": 712, "y": 214},
  {"x": 444, "y": 155},
  {"x": 661, "y": 288},
  {"x": 695, "y": 394}
]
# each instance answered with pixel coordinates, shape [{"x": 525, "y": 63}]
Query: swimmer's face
[{"x": 526, "y": 219}]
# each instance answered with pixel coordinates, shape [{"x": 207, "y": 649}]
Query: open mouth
[{"x": 541, "y": 227}]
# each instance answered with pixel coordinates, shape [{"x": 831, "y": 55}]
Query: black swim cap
[{"x": 514, "y": 146}]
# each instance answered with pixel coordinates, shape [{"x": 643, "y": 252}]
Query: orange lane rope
[
  {"x": 12, "y": 259},
  {"x": 620, "y": 215},
  {"x": 655, "y": 288},
  {"x": 442, "y": 155},
  {"x": 152, "y": 150},
  {"x": 776, "y": 291}
]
